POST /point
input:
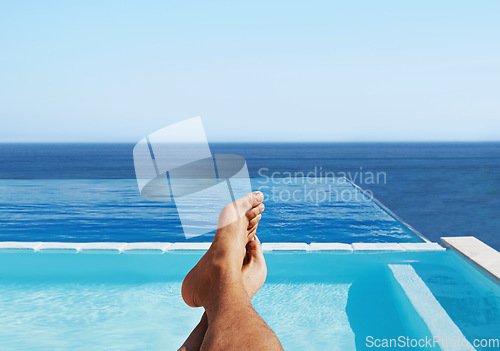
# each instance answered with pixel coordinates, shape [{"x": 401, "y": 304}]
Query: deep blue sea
[{"x": 87, "y": 192}]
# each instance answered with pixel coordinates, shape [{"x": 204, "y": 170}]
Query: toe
[
  {"x": 251, "y": 232},
  {"x": 254, "y": 212},
  {"x": 254, "y": 249},
  {"x": 254, "y": 221},
  {"x": 249, "y": 201}
]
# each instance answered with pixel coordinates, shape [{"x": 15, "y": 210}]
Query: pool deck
[{"x": 477, "y": 252}]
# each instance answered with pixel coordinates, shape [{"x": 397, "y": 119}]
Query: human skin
[{"x": 217, "y": 283}]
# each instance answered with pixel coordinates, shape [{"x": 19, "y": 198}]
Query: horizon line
[{"x": 267, "y": 142}]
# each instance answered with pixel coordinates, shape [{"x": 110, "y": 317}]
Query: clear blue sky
[{"x": 254, "y": 70}]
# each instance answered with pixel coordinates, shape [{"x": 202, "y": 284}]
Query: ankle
[
  {"x": 227, "y": 297},
  {"x": 223, "y": 273},
  {"x": 226, "y": 262}
]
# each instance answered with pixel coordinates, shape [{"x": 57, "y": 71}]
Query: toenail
[
  {"x": 259, "y": 196},
  {"x": 261, "y": 207}
]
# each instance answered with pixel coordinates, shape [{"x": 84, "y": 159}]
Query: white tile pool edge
[{"x": 166, "y": 247}]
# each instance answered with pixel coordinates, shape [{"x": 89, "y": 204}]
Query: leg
[
  {"x": 254, "y": 273},
  {"x": 195, "y": 339},
  {"x": 233, "y": 324},
  {"x": 216, "y": 283}
]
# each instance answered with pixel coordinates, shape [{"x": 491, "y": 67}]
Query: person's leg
[
  {"x": 254, "y": 272},
  {"x": 195, "y": 339},
  {"x": 216, "y": 283},
  {"x": 234, "y": 324}
]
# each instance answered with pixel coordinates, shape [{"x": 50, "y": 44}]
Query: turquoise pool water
[{"x": 323, "y": 300}]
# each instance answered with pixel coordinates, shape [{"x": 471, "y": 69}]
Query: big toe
[{"x": 254, "y": 250}]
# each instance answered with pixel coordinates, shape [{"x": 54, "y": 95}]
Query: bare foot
[
  {"x": 223, "y": 261},
  {"x": 254, "y": 270}
]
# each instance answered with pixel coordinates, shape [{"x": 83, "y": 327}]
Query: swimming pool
[
  {"x": 312, "y": 299},
  {"x": 92, "y": 210}
]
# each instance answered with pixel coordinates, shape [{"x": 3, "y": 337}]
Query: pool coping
[
  {"x": 162, "y": 247},
  {"x": 476, "y": 252}
]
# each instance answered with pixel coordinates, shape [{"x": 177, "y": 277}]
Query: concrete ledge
[
  {"x": 189, "y": 246},
  {"x": 330, "y": 247},
  {"x": 20, "y": 245},
  {"x": 377, "y": 247},
  {"x": 147, "y": 247},
  {"x": 422, "y": 247},
  {"x": 477, "y": 252},
  {"x": 54, "y": 246},
  {"x": 102, "y": 246},
  {"x": 284, "y": 247}
]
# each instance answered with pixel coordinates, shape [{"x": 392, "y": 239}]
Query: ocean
[{"x": 87, "y": 192}]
